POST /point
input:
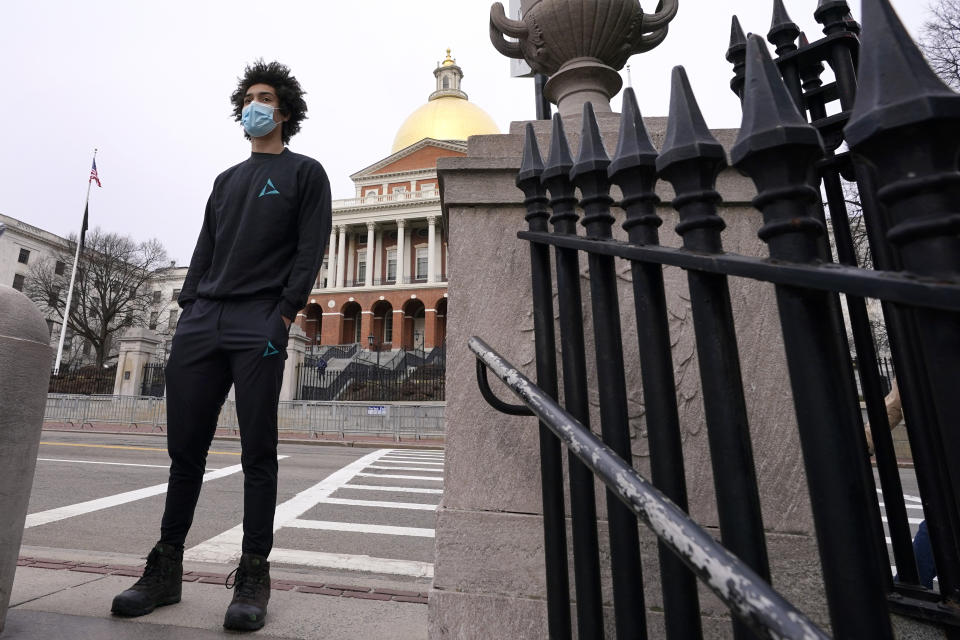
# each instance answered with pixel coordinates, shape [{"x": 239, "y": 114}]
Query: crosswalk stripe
[
  {"x": 910, "y": 520},
  {"x": 376, "y": 466},
  {"x": 81, "y": 508},
  {"x": 373, "y": 487},
  {"x": 326, "y": 525},
  {"x": 397, "y": 477},
  {"x": 380, "y": 503}
]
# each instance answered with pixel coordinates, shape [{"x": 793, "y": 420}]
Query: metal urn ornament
[{"x": 580, "y": 44}]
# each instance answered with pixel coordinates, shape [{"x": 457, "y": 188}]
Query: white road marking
[
  {"x": 374, "y": 466},
  {"x": 910, "y": 520},
  {"x": 118, "y": 464},
  {"x": 81, "y": 508},
  {"x": 409, "y": 461},
  {"x": 909, "y": 506},
  {"x": 404, "y": 456},
  {"x": 352, "y": 562},
  {"x": 396, "y": 477},
  {"x": 225, "y": 547},
  {"x": 905, "y": 496},
  {"x": 380, "y": 503},
  {"x": 373, "y": 487},
  {"x": 327, "y": 525}
]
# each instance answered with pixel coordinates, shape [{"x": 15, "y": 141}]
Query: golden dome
[
  {"x": 444, "y": 118},
  {"x": 448, "y": 61}
]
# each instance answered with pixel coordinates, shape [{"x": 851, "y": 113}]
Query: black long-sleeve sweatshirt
[{"x": 264, "y": 233}]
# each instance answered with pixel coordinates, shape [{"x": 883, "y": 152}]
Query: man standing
[{"x": 256, "y": 260}]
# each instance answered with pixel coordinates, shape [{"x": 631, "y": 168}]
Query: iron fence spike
[
  {"x": 532, "y": 165},
  {"x": 634, "y": 147},
  {"x": 559, "y": 160},
  {"x": 783, "y": 31},
  {"x": 688, "y": 136},
  {"x": 770, "y": 117},
  {"x": 593, "y": 156},
  {"x": 738, "y": 41},
  {"x": 897, "y": 86}
]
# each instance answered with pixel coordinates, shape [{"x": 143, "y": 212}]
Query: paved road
[{"x": 354, "y": 514}]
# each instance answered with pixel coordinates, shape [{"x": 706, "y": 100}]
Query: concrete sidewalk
[{"x": 57, "y": 598}]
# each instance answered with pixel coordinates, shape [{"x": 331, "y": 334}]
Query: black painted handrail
[{"x": 748, "y": 596}]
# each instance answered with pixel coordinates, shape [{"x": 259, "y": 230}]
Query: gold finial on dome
[{"x": 448, "y": 61}]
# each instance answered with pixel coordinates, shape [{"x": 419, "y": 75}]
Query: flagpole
[{"x": 73, "y": 275}]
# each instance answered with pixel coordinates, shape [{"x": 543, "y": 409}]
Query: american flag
[{"x": 93, "y": 173}]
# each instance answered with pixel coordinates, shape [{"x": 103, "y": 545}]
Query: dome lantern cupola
[{"x": 448, "y": 76}]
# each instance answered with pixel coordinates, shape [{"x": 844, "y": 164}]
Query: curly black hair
[{"x": 288, "y": 91}]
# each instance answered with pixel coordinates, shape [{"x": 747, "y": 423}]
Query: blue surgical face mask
[{"x": 257, "y": 119}]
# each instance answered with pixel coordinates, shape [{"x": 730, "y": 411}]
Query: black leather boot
[
  {"x": 248, "y": 609},
  {"x": 160, "y": 585}
]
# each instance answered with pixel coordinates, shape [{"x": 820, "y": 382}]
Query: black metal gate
[
  {"x": 902, "y": 126},
  {"x": 153, "y": 380}
]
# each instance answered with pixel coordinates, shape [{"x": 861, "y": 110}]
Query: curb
[{"x": 204, "y": 577}]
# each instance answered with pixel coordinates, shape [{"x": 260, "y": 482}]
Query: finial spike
[
  {"x": 532, "y": 165},
  {"x": 559, "y": 160},
  {"x": 737, "y": 38},
  {"x": 897, "y": 86},
  {"x": 593, "y": 156},
  {"x": 634, "y": 146},
  {"x": 770, "y": 117},
  {"x": 688, "y": 136},
  {"x": 783, "y": 31}
]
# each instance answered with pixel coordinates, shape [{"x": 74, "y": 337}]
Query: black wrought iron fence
[
  {"x": 89, "y": 380},
  {"x": 154, "y": 379},
  {"x": 902, "y": 126},
  {"x": 361, "y": 382}
]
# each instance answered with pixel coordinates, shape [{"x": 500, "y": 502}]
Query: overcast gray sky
[{"x": 149, "y": 85}]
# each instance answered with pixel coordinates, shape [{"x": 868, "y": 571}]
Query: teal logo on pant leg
[
  {"x": 270, "y": 350},
  {"x": 268, "y": 189}
]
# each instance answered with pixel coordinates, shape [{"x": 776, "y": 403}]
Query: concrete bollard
[{"x": 25, "y": 359}]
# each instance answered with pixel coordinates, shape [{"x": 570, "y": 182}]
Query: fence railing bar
[
  {"x": 535, "y": 181},
  {"x": 883, "y": 285},
  {"x": 747, "y": 595},
  {"x": 691, "y": 160}
]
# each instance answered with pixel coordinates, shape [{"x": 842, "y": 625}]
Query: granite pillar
[{"x": 138, "y": 346}]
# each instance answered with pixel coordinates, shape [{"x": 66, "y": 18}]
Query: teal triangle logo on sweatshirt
[
  {"x": 272, "y": 189},
  {"x": 270, "y": 350}
]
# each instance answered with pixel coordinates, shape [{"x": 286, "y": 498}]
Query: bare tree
[
  {"x": 111, "y": 291},
  {"x": 940, "y": 40}
]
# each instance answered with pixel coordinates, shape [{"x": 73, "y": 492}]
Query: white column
[
  {"x": 341, "y": 255},
  {"x": 332, "y": 259},
  {"x": 351, "y": 256},
  {"x": 378, "y": 255},
  {"x": 431, "y": 248},
  {"x": 401, "y": 250},
  {"x": 368, "y": 276},
  {"x": 438, "y": 254}
]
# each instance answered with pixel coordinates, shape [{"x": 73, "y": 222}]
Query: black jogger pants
[{"x": 219, "y": 342}]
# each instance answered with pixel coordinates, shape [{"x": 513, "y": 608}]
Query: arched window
[{"x": 446, "y": 82}]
